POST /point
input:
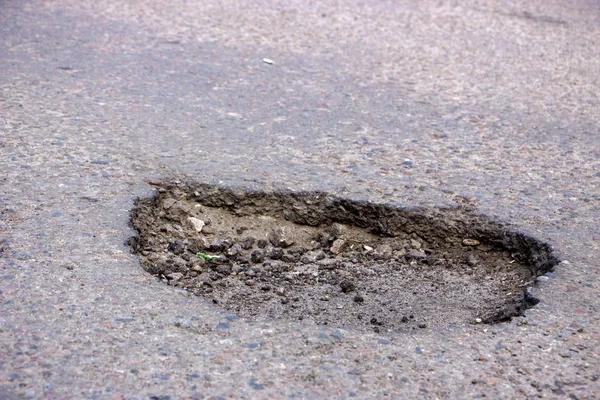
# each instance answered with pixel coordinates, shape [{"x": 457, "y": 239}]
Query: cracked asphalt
[{"x": 418, "y": 104}]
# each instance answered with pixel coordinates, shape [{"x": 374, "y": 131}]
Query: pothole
[{"x": 312, "y": 256}]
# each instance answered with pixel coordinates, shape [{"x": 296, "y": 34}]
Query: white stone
[{"x": 196, "y": 224}]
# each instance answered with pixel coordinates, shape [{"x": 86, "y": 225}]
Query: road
[{"x": 428, "y": 104}]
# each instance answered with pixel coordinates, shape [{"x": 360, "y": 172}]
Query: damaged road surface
[{"x": 335, "y": 261}]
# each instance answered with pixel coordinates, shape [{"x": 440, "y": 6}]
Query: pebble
[
  {"x": 257, "y": 256},
  {"x": 347, "y": 286},
  {"x": 247, "y": 243},
  {"x": 237, "y": 269},
  {"x": 359, "y": 299},
  {"x": 199, "y": 244},
  {"x": 328, "y": 263},
  {"x": 175, "y": 277},
  {"x": 281, "y": 237},
  {"x": 275, "y": 253},
  {"x": 221, "y": 244},
  {"x": 207, "y": 230},
  {"x": 470, "y": 242},
  {"x": 338, "y": 246},
  {"x": 196, "y": 223},
  {"x": 233, "y": 250},
  {"x": 338, "y": 230},
  {"x": 416, "y": 254}
]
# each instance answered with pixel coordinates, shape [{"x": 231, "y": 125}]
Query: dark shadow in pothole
[{"x": 335, "y": 261}]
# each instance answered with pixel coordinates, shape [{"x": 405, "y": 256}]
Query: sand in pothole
[{"x": 334, "y": 261}]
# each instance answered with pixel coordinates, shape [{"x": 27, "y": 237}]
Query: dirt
[{"x": 334, "y": 261}]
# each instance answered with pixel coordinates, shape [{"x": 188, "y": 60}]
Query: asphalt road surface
[{"x": 432, "y": 104}]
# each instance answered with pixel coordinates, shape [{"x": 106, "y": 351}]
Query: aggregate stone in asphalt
[{"x": 474, "y": 105}]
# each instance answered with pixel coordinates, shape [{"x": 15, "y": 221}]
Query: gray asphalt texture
[{"x": 478, "y": 102}]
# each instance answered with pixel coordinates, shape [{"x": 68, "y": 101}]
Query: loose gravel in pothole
[{"x": 310, "y": 256}]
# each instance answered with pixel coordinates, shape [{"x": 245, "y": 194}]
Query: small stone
[
  {"x": 290, "y": 257},
  {"x": 478, "y": 320},
  {"x": 221, "y": 244},
  {"x": 328, "y": 263},
  {"x": 198, "y": 245},
  {"x": 367, "y": 248},
  {"x": 207, "y": 230},
  {"x": 265, "y": 288},
  {"x": 359, "y": 299},
  {"x": 416, "y": 254},
  {"x": 196, "y": 223},
  {"x": 281, "y": 237},
  {"x": 176, "y": 247},
  {"x": 250, "y": 282},
  {"x": 262, "y": 243},
  {"x": 275, "y": 253},
  {"x": 470, "y": 242},
  {"x": 400, "y": 253},
  {"x": 308, "y": 259},
  {"x": 175, "y": 277},
  {"x": 323, "y": 239},
  {"x": 233, "y": 250},
  {"x": 404, "y": 319},
  {"x": 338, "y": 230},
  {"x": 338, "y": 246},
  {"x": 257, "y": 256},
  {"x": 179, "y": 211},
  {"x": 236, "y": 269},
  {"x": 197, "y": 267},
  {"x": 347, "y": 286},
  {"x": 422, "y": 326},
  {"x": 247, "y": 243}
]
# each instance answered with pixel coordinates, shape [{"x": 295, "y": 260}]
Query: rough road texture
[{"x": 488, "y": 105}]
